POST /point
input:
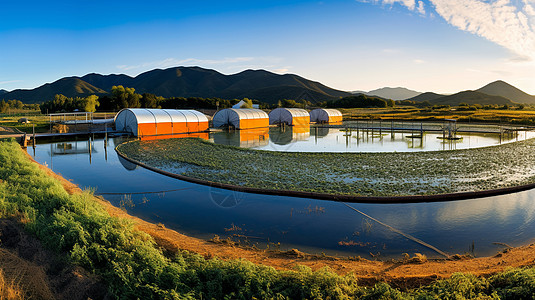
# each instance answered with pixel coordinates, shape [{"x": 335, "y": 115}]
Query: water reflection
[
  {"x": 246, "y": 138},
  {"x": 285, "y": 135},
  {"x": 127, "y": 164},
  {"x": 70, "y": 148},
  {"x": 322, "y": 139}
]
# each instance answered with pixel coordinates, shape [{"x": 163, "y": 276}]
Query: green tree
[
  {"x": 150, "y": 100},
  {"x": 3, "y": 106},
  {"x": 248, "y": 103},
  {"x": 89, "y": 103},
  {"x": 125, "y": 97}
]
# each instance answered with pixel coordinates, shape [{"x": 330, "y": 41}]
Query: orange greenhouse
[
  {"x": 325, "y": 115},
  {"x": 289, "y": 116},
  {"x": 147, "y": 122},
  {"x": 241, "y": 118}
]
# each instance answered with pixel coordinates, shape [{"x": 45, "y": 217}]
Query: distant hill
[
  {"x": 398, "y": 93},
  {"x": 471, "y": 97},
  {"x": 3, "y": 92},
  {"x": 189, "y": 82},
  {"x": 106, "y": 82},
  {"x": 429, "y": 96},
  {"x": 69, "y": 86},
  {"x": 501, "y": 88}
]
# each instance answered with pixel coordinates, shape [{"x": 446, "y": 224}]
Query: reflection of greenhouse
[
  {"x": 288, "y": 134},
  {"x": 322, "y": 131},
  {"x": 70, "y": 148},
  {"x": 243, "y": 138}
]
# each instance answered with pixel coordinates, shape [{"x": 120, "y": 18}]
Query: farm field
[
  {"x": 525, "y": 116},
  {"x": 357, "y": 174}
]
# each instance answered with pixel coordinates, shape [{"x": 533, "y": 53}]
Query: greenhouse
[
  {"x": 241, "y": 118},
  {"x": 324, "y": 115},
  {"x": 289, "y": 116},
  {"x": 145, "y": 122}
]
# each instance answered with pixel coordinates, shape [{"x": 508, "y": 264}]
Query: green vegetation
[
  {"x": 125, "y": 97},
  {"x": 65, "y": 104},
  {"x": 133, "y": 267},
  {"x": 359, "y": 101},
  {"x": 358, "y": 174},
  {"x": 293, "y": 104},
  {"x": 39, "y": 122},
  {"x": 469, "y": 114},
  {"x": 15, "y": 106}
]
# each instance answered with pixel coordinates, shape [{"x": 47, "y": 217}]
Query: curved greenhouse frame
[
  {"x": 241, "y": 118},
  {"x": 146, "y": 122},
  {"x": 290, "y": 116},
  {"x": 325, "y": 115}
]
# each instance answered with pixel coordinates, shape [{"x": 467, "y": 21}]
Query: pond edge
[{"x": 337, "y": 197}]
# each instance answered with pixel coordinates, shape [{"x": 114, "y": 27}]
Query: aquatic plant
[{"x": 358, "y": 174}]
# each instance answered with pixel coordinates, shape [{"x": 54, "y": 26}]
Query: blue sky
[{"x": 433, "y": 45}]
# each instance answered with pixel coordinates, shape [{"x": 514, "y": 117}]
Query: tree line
[
  {"x": 359, "y": 101},
  {"x": 123, "y": 97},
  {"x": 5, "y": 106}
]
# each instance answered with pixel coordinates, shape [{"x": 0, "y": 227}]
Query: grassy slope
[{"x": 134, "y": 268}]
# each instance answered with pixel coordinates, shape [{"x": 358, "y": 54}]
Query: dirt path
[{"x": 407, "y": 274}]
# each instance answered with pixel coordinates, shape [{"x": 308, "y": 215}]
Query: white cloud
[
  {"x": 9, "y": 81},
  {"x": 498, "y": 21},
  {"x": 413, "y": 5},
  {"x": 281, "y": 71},
  {"x": 418, "y": 61},
  {"x": 421, "y": 7},
  {"x": 510, "y": 24}
]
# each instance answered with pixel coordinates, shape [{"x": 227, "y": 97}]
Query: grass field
[{"x": 514, "y": 116}]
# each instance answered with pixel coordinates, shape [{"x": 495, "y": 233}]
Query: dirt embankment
[
  {"x": 40, "y": 273},
  {"x": 403, "y": 274}
]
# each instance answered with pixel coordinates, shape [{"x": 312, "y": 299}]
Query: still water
[
  {"x": 317, "y": 139},
  {"x": 310, "y": 225}
]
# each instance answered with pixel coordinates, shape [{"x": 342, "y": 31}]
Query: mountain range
[
  {"x": 398, "y": 93},
  {"x": 497, "y": 92},
  {"x": 255, "y": 84},
  {"x": 188, "y": 82}
]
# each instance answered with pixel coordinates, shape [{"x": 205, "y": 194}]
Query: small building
[
  {"x": 145, "y": 122},
  {"x": 325, "y": 115},
  {"x": 289, "y": 116},
  {"x": 242, "y": 118}
]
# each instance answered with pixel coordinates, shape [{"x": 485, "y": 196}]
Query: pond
[
  {"x": 477, "y": 226},
  {"x": 380, "y": 139}
]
